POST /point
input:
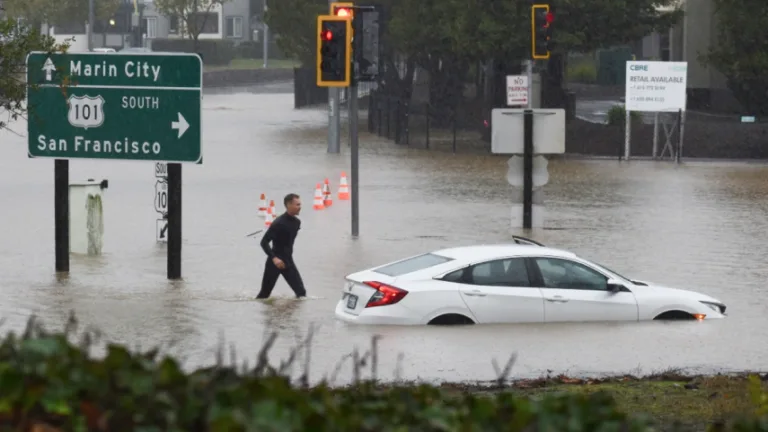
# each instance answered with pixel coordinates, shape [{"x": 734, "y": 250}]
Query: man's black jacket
[{"x": 282, "y": 233}]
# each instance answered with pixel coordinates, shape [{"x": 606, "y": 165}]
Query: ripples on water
[{"x": 700, "y": 226}]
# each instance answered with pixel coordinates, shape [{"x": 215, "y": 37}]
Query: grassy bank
[
  {"x": 674, "y": 402},
  {"x": 50, "y": 382},
  {"x": 244, "y": 63}
]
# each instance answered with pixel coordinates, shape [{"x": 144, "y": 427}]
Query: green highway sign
[{"x": 138, "y": 106}]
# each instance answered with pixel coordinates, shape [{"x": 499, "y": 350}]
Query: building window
[
  {"x": 204, "y": 23},
  {"x": 234, "y": 27},
  {"x": 664, "y": 46},
  {"x": 173, "y": 25},
  {"x": 149, "y": 27}
]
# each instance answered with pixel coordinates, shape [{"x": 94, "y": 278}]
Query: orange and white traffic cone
[
  {"x": 263, "y": 205},
  {"x": 343, "y": 187},
  {"x": 327, "y": 200},
  {"x": 317, "y": 204},
  {"x": 268, "y": 218},
  {"x": 271, "y": 209}
]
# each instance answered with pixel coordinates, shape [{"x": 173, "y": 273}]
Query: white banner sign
[
  {"x": 517, "y": 90},
  {"x": 655, "y": 86}
]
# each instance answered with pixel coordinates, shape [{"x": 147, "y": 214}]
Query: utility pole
[
  {"x": 91, "y": 19},
  {"x": 265, "y": 53}
]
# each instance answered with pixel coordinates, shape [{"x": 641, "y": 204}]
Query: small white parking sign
[{"x": 517, "y": 90}]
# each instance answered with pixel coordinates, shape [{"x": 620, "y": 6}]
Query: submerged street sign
[{"x": 138, "y": 106}]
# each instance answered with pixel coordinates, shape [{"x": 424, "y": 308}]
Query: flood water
[{"x": 700, "y": 226}]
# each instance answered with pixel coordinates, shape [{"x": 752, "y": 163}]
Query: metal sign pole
[{"x": 528, "y": 169}]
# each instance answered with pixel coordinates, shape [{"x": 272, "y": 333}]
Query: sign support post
[
  {"x": 529, "y": 74},
  {"x": 681, "y": 135},
  {"x": 174, "y": 221},
  {"x": 355, "y": 163},
  {"x": 528, "y": 168},
  {"x": 61, "y": 213}
]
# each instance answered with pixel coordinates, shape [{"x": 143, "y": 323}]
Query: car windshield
[
  {"x": 413, "y": 264},
  {"x": 611, "y": 271}
]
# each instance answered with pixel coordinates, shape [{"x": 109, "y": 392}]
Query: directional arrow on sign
[
  {"x": 180, "y": 125},
  {"x": 48, "y": 67}
]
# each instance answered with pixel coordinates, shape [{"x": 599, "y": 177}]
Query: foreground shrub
[{"x": 46, "y": 379}]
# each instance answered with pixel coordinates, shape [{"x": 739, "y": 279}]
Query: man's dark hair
[{"x": 288, "y": 198}]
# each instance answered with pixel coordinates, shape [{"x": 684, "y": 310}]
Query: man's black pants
[{"x": 290, "y": 274}]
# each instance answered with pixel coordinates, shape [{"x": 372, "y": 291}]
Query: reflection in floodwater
[{"x": 700, "y": 226}]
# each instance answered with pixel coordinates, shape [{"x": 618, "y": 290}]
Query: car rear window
[{"x": 411, "y": 265}]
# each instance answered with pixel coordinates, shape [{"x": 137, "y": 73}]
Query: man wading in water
[{"x": 282, "y": 233}]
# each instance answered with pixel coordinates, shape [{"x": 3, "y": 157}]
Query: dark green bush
[
  {"x": 214, "y": 52},
  {"x": 45, "y": 378}
]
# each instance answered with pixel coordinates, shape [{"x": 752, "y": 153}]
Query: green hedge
[
  {"x": 583, "y": 72},
  {"x": 617, "y": 115},
  {"x": 214, "y": 52},
  {"x": 45, "y": 378}
]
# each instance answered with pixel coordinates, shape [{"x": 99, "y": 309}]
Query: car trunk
[{"x": 356, "y": 293}]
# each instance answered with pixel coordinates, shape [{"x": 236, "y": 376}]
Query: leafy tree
[
  {"x": 295, "y": 21},
  {"x": 586, "y": 25},
  {"x": 741, "y": 52},
  {"x": 192, "y": 13},
  {"x": 15, "y": 43}
]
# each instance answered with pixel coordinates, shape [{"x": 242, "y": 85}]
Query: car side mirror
[{"x": 615, "y": 286}]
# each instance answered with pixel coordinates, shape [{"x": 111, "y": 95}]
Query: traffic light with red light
[
  {"x": 541, "y": 31},
  {"x": 334, "y": 51},
  {"x": 342, "y": 9}
]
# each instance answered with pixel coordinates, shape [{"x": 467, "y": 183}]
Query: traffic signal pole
[
  {"x": 355, "y": 156},
  {"x": 348, "y": 52},
  {"x": 528, "y": 152},
  {"x": 354, "y": 145},
  {"x": 541, "y": 18},
  {"x": 334, "y": 116}
]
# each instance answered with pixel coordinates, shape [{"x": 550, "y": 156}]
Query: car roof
[{"x": 483, "y": 252}]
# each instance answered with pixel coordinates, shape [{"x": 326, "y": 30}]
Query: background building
[
  {"x": 232, "y": 21},
  {"x": 707, "y": 87}
]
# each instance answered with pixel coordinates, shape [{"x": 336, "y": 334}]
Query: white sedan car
[{"x": 523, "y": 282}]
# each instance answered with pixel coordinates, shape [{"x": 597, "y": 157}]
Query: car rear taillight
[{"x": 385, "y": 294}]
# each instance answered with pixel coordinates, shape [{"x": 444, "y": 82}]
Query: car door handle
[
  {"x": 474, "y": 293},
  {"x": 557, "y": 299}
]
